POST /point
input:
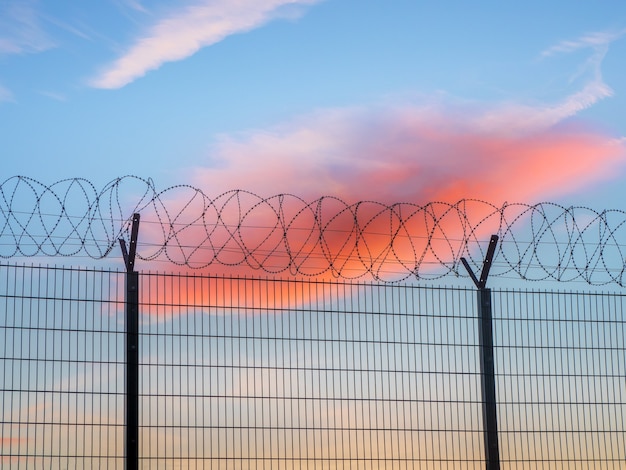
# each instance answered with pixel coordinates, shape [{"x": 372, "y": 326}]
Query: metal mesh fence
[
  {"x": 561, "y": 378},
  {"x": 289, "y": 374},
  {"x": 61, "y": 368},
  {"x": 266, "y": 373}
]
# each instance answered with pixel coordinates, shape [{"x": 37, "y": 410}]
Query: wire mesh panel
[
  {"x": 61, "y": 368},
  {"x": 561, "y": 379},
  {"x": 241, "y": 373}
]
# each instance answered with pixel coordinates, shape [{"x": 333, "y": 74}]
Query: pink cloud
[{"x": 413, "y": 154}]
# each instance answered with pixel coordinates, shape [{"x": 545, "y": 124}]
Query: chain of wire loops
[{"x": 286, "y": 234}]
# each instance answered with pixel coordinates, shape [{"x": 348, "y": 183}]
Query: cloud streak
[
  {"x": 185, "y": 32},
  {"x": 5, "y": 94},
  {"x": 595, "y": 89},
  {"x": 20, "y": 29},
  {"x": 596, "y": 40}
]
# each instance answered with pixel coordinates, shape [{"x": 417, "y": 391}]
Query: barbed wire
[{"x": 287, "y": 234}]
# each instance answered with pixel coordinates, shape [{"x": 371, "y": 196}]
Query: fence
[{"x": 269, "y": 373}]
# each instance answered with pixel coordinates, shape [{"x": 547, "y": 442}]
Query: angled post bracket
[
  {"x": 129, "y": 254},
  {"x": 482, "y": 283}
]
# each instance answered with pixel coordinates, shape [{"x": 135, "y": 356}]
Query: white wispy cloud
[
  {"x": 593, "y": 40},
  {"x": 522, "y": 118},
  {"x": 20, "y": 28},
  {"x": 53, "y": 95},
  {"x": 135, "y": 5},
  {"x": 5, "y": 94},
  {"x": 185, "y": 32}
]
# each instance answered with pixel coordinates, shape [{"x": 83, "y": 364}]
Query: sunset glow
[{"x": 304, "y": 183}]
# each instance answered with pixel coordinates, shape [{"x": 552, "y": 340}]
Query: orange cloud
[
  {"x": 408, "y": 154},
  {"x": 389, "y": 155}
]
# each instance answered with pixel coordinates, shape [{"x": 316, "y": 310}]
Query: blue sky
[{"x": 159, "y": 89}]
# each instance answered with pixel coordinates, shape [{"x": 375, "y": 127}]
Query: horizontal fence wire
[
  {"x": 251, "y": 373},
  {"x": 285, "y": 234}
]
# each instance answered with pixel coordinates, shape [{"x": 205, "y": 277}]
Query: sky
[{"x": 391, "y": 102}]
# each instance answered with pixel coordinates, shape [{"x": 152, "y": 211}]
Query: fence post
[
  {"x": 131, "y": 431},
  {"x": 487, "y": 367}
]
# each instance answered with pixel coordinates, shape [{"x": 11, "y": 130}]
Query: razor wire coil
[{"x": 326, "y": 236}]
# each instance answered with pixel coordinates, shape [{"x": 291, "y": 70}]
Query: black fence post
[
  {"x": 487, "y": 366},
  {"x": 488, "y": 380},
  {"x": 131, "y": 431}
]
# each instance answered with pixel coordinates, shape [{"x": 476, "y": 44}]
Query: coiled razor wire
[{"x": 287, "y": 234}]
